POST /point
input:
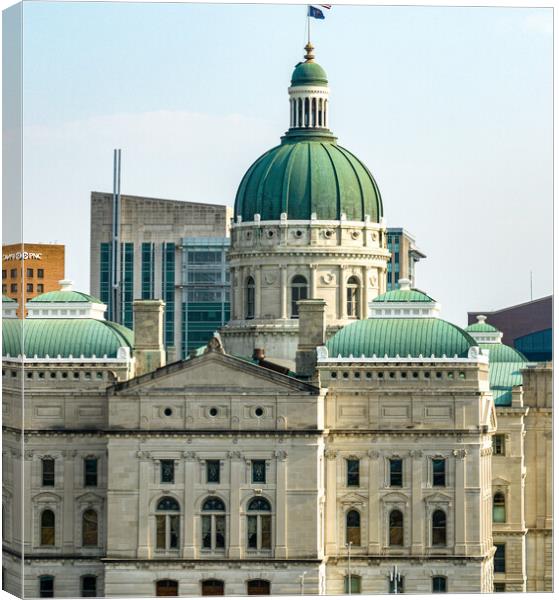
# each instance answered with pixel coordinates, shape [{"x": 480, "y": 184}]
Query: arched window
[
  {"x": 258, "y": 587},
  {"x": 167, "y": 524},
  {"x": 250, "y": 293},
  {"x": 299, "y": 291},
  {"x": 499, "y": 508},
  {"x": 213, "y": 523},
  {"x": 46, "y": 586},
  {"x": 299, "y": 113},
  {"x": 353, "y": 298},
  {"x": 396, "y": 528},
  {"x": 353, "y": 528},
  {"x": 89, "y": 528},
  {"x": 259, "y": 524},
  {"x": 438, "y": 528},
  {"x": 89, "y": 586},
  {"x": 47, "y": 528},
  {"x": 314, "y": 112},
  {"x": 439, "y": 584},
  {"x": 213, "y": 587},
  {"x": 166, "y": 587}
]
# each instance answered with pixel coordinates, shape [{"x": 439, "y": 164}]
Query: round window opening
[
  {"x": 213, "y": 412},
  {"x": 168, "y": 412},
  {"x": 298, "y": 233},
  {"x": 259, "y": 411},
  {"x": 270, "y": 233}
]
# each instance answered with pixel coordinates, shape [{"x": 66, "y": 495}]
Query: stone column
[
  {"x": 236, "y": 465},
  {"x": 331, "y": 502},
  {"x": 257, "y": 292},
  {"x": 281, "y": 504},
  {"x": 374, "y": 508},
  {"x": 283, "y": 291},
  {"x": 460, "y": 501},
  {"x": 69, "y": 535},
  {"x": 342, "y": 308},
  {"x": 188, "y": 545},
  {"x": 364, "y": 293},
  {"x": 417, "y": 512},
  {"x": 144, "y": 463},
  {"x": 312, "y": 282},
  {"x": 22, "y": 524}
]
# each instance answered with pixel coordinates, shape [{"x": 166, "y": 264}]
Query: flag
[
  {"x": 315, "y": 12},
  {"x": 327, "y": 6}
]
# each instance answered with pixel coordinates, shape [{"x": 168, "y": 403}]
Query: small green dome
[
  {"x": 309, "y": 73},
  {"x": 404, "y": 296},
  {"x": 65, "y": 296},
  {"x": 400, "y": 337},
  {"x": 306, "y": 175},
  {"x": 481, "y": 328},
  {"x": 503, "y": 353},
  {"x": 64, "y": 337}
]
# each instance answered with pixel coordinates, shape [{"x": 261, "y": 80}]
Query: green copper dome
[
  {"x": 65, "y": 296},
  {"x": 306, "y": 175},
  {"x": 64, "y": 337},
  {"x": 7, "y": 299},
  {"x": 309, "y": 73},
  {"x": 503, "y": 353},
  {"x": 394, "y": 337},
  {"x": 481, "y": 328},
  {"x": 404, "y": 296}
]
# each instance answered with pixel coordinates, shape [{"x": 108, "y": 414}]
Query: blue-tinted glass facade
[
  {"x": 148, "y": 271},
  {"x": 536, "y": 346},
  {"x": 206, "y": 290},
  {"x": 168, "y": 290},
  {"x": 124, "y": 313}
]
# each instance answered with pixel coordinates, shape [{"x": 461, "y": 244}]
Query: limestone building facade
[{"x": 334, "y": 438}]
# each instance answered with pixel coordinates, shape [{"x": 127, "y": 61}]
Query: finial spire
[{"x": 309, "y": 56}]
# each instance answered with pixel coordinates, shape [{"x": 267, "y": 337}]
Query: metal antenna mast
[{"x": 115, "y": 312}]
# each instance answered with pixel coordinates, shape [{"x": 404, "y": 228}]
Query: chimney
[
  {"x": 148, "y": 335},
  {"x": 312, "y": 334}
]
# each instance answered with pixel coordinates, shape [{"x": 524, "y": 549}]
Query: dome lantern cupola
[{"x": 308, "y": 96}]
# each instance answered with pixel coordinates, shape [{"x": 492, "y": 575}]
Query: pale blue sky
[{"x": 450, "y": 108}]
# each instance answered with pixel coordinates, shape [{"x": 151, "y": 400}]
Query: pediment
[
  {"x": 395, "y": 497},
  {"x": 47, "y": 497},
  {"x": 213, "y": 372},
  {"x": 353, "y": 499},
  {"x": 500, "y": 481},
  {"x": 89, "y": 498},
  {"x": 437, "y": 497}
]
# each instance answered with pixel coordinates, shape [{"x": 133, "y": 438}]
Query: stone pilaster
[{"x": 281, "y": 504}]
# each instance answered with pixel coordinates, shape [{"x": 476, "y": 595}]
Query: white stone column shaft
[
  {"x": 331, "y": 503},
  {"x": 188, "y": 545},
  {"x": 144, "y": 550},
  {"x": 235, "y": 506}
]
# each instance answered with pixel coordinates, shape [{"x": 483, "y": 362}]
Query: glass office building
[
  {"x": 205, "y": 290},
  {"x": 405, "y": 254}
]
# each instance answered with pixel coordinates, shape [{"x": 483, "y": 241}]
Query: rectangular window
[
  {"x": 90, "y": 472},
  {"x": 3, "y": 273},
  {"x": 29, "y": 272},
  {"x": 266, "y": 526},
  {"x": 252, "y": 531},
  {"x": 439, "y": 472},
  {"x": 212, "y": 471},
  {"x": 148, "y": 270},
  {"x": 13, "y": 273},
  {"x": 206, "y": 531},
  {"x": 29, "y": 287},
  {"x": 4, "y": 288},
  {"x": 219, "y": 531},
  {"x": 439, "y": 585},
  {"x": 13, "y": 287},
  {"x": 167, "y": 471},
  {"x": 355, "y": 584},
  {"x": 499, "y": 564},
  {"x": 46, "y": 586},
  {"x": 499, "y": 587},
  {"x": 168, "y": 290},
  {"x": 396, "y": 586},
  {"x": 48, "y": 472},
  {"x": 396, "y": 475},
  {"x": 499, "y": 444},
  {"x": 258, "y": 471},
  {"x": 353, "y": 472},
  {"x": 40, "y": 288},
  {"x": 40, "y": 273}
]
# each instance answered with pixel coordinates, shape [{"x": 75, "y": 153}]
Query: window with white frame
[{"x": 167, "y": 524}]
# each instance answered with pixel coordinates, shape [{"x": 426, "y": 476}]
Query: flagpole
[{"x": 308, "y": 26}]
